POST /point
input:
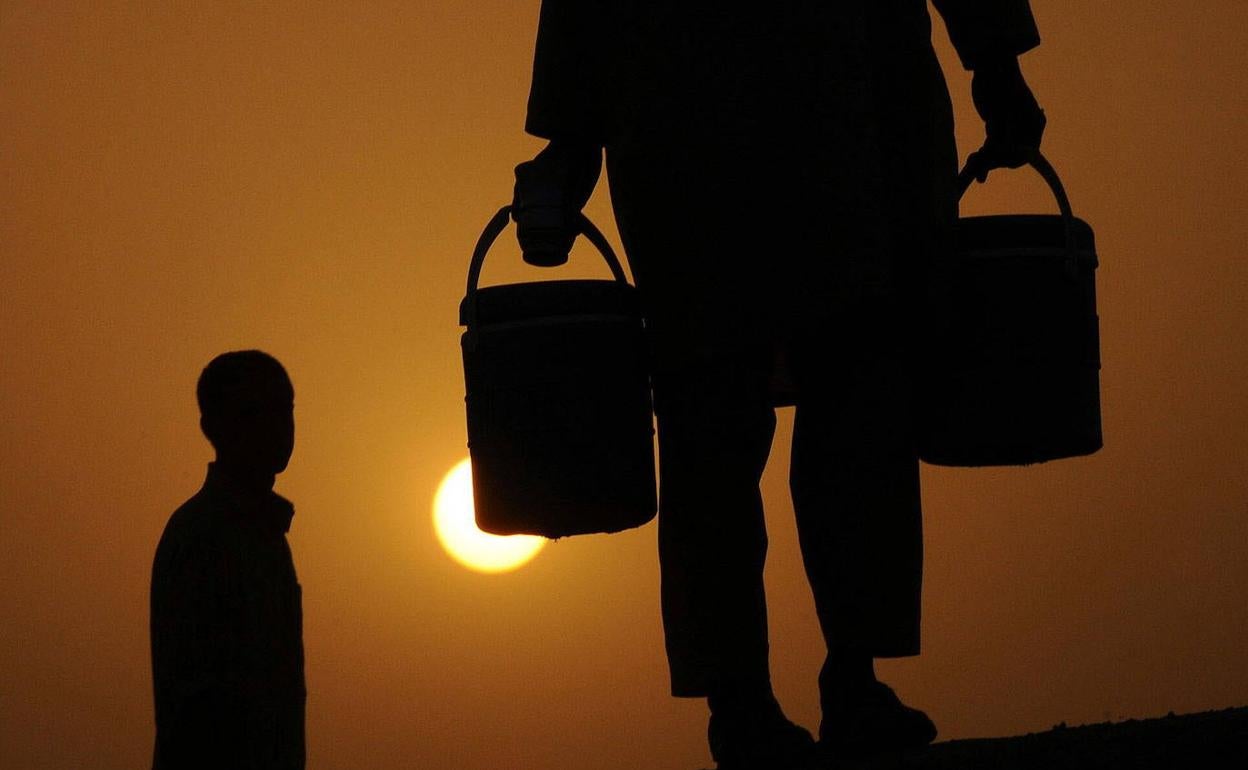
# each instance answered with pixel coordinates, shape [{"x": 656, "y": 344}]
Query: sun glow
[{"x": 456, "y": 527}]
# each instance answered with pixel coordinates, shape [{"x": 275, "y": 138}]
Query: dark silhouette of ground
[{"x": 1207, "y": 741}]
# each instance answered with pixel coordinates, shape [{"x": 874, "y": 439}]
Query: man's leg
[
  {"x": 855, "y": 484},
  {"x": 715, "y": 430}
]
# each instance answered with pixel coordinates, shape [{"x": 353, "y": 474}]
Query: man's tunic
[{"x": 814, "y": 137}]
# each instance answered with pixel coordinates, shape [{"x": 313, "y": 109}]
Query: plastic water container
[
  {"x": 560, "y": 426},
  {"x": 1012, "y": 371}
]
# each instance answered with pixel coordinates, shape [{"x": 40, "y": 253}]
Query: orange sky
[{"x": 184, "y": 178}]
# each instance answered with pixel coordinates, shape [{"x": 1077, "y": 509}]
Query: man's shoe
[
  {"x": 871, "y": 720},
  {"x": 760, "y": 738}
]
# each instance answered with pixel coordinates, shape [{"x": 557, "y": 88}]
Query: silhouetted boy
[
  {"x": 226, "y": 614},
  {"x": 782, "y": 174}
]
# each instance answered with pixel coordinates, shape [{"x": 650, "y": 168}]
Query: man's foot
[
  {"x": 871, "y": 720},
  {"x": 757, "y": 736}
]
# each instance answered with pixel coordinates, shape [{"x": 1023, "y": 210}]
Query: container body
[
  {"x": 1011, "y": 374},
  {"x": 560, "y": 426}
]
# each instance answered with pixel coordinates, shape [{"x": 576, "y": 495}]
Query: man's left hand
[{"x": 1013, "y": 120}]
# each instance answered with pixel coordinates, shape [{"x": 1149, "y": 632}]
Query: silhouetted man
[
  {"x": 226, "y": 622},
  {"x": 782, "y": 175}
]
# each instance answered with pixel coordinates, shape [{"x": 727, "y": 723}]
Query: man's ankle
[
  {"x": 741, "y": 699},
  {"x": 846, "y": 670}
]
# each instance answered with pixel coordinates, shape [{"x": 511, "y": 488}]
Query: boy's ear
[{"x": 207, "y": 427}]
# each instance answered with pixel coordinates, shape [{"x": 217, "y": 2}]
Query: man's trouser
[
  {"x": 855, "y": 485},
  {"x": 817, "y": 248}
]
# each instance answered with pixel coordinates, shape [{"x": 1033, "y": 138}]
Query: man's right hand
[
  {"x": 550, "y": 192},
  {"x": 1013, "y": 120}
]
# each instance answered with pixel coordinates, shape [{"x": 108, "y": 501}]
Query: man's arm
[
  {"x": 985, "y": 32},
  {"x": 567, "y": 105},
  {"x": 566, "y": 97},
  {"x": 989, "y": 36}
]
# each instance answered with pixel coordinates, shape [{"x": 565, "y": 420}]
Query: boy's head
[{"x": 246, "y": 408}]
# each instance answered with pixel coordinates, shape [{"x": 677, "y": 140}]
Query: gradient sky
[{"x": 179, "y": 179}]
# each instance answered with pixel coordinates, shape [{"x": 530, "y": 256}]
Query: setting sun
[{"x": 454, "y": 521}]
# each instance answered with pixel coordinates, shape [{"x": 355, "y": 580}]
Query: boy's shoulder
[{"x": 197, "y": 526}]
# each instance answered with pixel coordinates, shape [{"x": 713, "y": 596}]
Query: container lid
[
  {"x": 545, "y": 299},
  {"x": 1018, "y": 232}
]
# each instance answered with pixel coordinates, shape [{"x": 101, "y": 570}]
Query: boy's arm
[{"x": 197, "y": 618}]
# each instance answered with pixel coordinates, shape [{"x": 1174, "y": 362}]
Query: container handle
[
  {"x": 1042, "y": 166},
  {"x": 498, "y": 223}
]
